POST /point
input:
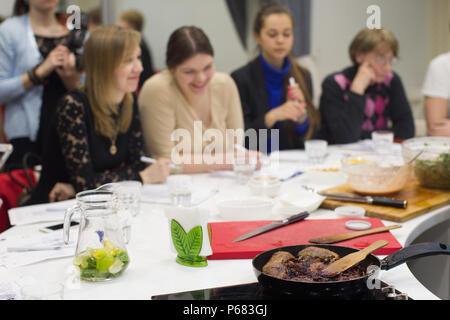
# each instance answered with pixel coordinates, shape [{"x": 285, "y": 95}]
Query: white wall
[
  {"x": 334, "y": 24},
  {"x": 163, "y": 17},
  {"x": 6, "y": 7}
]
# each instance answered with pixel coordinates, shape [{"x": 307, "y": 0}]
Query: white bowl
[
  {"x": 265, "y": 186},
  {"x": 248, "y": 209},
  {"x": 296, "y": 201}
]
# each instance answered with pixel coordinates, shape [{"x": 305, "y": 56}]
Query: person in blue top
[
  {"x": 36, "y": 69},
  {"x": 268, "y": 99}
]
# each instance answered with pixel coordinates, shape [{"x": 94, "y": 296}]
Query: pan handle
[{"x": 413, "y": 252}]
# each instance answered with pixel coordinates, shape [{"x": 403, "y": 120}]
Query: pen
[
  {"x": 296, "y": 174},
  {"x": 151, "y": 160}
]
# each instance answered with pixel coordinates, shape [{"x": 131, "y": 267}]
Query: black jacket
[
  {"x": 147, "y": 63},
  {"x": 255, "y": 104},
  {"x": 343, "y": 112}
]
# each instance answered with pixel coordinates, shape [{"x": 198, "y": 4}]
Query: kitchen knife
[
  {"x": 273, "y": 225},
  {"x": 379, "y": 201}
]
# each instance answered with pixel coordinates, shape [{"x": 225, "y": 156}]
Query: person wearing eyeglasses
[{"x": 367, "y": 96}]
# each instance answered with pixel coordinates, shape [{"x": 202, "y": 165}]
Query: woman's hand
[
  {"x": 293, "y": 109},
  {"x": 363, "y": 79},
  {"x": 296, "y": 94},
  {"x": 290, "y": 110},
  {"x": 56, "y": 58},
  {"x": 68, "y": 72},
  {"x": 157, "y": 172},
  {"x": 61, "y": 191}
]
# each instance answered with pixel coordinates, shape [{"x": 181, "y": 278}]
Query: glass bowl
[
  {"x": 432, "y": 167},
  {"x": 265, "y": 186},
  {"x": 376, "y": 175}
]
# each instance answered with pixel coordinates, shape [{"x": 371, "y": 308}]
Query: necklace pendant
[{"x": 113, "y": 149}]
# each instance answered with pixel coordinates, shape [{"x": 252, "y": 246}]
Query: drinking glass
[
  {"x": 316, "y": 150},
  {"x": 180, "y": 189},
  {"x": 244, "y": 164},
  {"x": 129, "y": 200},
  {"x": 383, "y": 141}
]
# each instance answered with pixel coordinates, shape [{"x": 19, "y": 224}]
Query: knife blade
[
  {"x": 273, "y": 225},
  {"x": 379, "y": 201}
]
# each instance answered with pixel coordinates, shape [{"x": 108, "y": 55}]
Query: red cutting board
[{"x": 223, "y": 233}]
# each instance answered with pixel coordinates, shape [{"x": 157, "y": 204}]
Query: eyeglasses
[{"x": 384, "y": 61}]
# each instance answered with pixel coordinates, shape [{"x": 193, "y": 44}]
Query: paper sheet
[
  {"x": 51, "y": 212},
  {"x": 11, "y": 258},
  {"x": 9, "y": 291}
]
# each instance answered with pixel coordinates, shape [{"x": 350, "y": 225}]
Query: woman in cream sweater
[{"x": 190, "y": 113}]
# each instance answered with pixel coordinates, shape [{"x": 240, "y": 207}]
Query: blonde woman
[
  {"x": 97, "y": 134},
  {"x": 367, "y": 96}
]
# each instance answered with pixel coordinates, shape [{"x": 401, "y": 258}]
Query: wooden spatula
[
  {"x": 347, "y": 236},
  {"x": 351, "y": 260}
]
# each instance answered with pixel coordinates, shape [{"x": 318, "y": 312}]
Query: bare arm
[{"x": 436, "y": 112}]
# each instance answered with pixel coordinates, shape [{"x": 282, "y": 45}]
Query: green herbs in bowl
[
  {"x": 434, "y": 173},
  {"x": 432, "y": 167}
]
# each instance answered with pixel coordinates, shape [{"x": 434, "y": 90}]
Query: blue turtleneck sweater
[{"x": 274, "y": 80}]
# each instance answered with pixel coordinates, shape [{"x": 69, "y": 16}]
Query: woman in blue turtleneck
[{"x": 268, "y": 100}]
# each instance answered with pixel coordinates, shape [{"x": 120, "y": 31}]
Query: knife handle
[
  {"x": 296, "y": 218},
  {"x": 381, "y": 201}
]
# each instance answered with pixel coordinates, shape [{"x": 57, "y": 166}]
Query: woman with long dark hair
[
  {"x": 269, "y": 100},
  {"x": 187, "y": 93}
]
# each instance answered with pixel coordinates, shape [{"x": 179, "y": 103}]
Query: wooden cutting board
[
  {"x": 420, "y": 201},
  {"x": 222, "y": 235}
]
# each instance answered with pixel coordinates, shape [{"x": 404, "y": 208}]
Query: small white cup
[
  {"x": 316, "y": 150},
  {"x": 180, "y": 189},
  {"x": 43, "y": 291},
  {"x": 383, "y": 141}
]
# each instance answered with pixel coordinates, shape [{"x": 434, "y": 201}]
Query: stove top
[{"x": 254, "y": 291}]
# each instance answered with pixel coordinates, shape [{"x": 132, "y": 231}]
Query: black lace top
[
  {"x": 77, "y": 154},
  {"x": 47, "y": 44},
  {"x": 87, "y": 154},
  {"x": 54, "y": 88}
]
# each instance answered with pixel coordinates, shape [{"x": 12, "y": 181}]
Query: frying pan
[{"x": 336, "y": 288}]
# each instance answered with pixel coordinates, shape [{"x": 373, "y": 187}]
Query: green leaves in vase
[{"x": 188, "y": 245}]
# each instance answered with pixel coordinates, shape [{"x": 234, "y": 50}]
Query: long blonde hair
[{"x": 106, "y": 48}]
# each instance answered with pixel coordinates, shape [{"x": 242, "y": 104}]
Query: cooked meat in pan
[
  {"x": 308, "y": 266},
  {"x": 277, "y": 266}
]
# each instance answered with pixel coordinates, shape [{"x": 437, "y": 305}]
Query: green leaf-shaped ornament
[
  {"x": 178, "y": 236},
  {"x": 188, "y": 245},
  {"x": 193, "y": 244}
]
